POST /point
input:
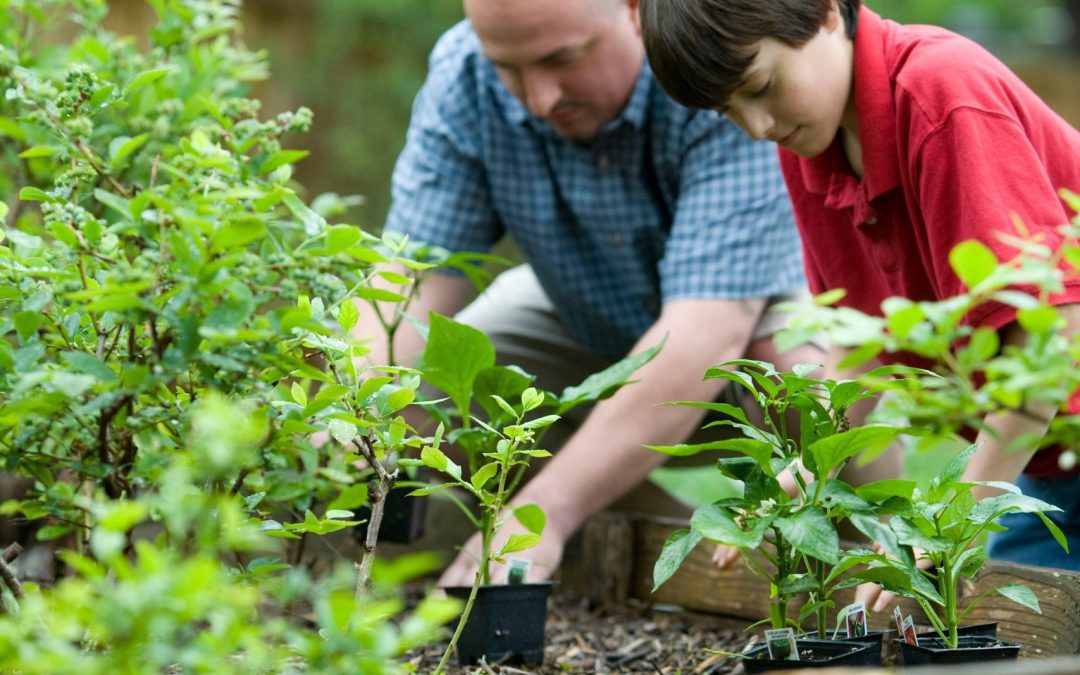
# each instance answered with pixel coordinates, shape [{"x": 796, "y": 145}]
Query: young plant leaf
[
  {"x": 531, "y": 517},
  {"x": 484, "y": 474},
  {"x": 519, "y": 542},
  {"x": 1023, "y": 595},
  {"x": 677, "y": 547},
  {"x": 454, "y": 355},
  {"x": 811, "y": 532}
]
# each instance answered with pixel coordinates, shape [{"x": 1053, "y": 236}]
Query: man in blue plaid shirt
[{"x": 639, "y": 219}]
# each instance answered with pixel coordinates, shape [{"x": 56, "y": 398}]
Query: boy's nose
[{"x": 758, "y": 124}]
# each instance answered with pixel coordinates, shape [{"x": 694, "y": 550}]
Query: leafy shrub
[{"x": 168, "y": 302}]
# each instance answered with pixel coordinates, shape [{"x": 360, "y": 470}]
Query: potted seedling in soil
[
  {"x": 944, "y": 523},
  {"x": 784, "y": 524},
  {"x": 502, "y": 620}
]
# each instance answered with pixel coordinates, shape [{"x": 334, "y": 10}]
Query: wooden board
[{"x": 618, "y": 572}]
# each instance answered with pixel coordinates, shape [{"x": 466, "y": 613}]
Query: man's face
[
  {"x": 798, "y": 97},
  {"x": 572, "y": 63}
]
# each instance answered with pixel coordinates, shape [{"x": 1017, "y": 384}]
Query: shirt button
[
  {"x": 602, "y": 162},
  {"x": 617, "y": 239},
  {"x": 872, "y": 220}
]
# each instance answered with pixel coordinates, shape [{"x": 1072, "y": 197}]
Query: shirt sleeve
[
  {"x": 975, "y": 174},
  {"x": 439, "y": 190},
  {"x": 733, "y": 235}
]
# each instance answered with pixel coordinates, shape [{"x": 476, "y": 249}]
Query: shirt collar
[
  {"x": 876, "y": 111},
  {"x": 633, "y": 113}
]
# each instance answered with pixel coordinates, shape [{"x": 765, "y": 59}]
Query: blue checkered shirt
[{"x": 665, "y": 203}]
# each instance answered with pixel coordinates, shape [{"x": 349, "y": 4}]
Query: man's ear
[{"x": 635, "y": 14}]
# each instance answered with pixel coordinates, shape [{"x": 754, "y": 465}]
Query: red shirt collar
[{"x": 830, "y": 173}]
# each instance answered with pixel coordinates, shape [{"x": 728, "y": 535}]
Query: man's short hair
[{"x": 700, "y": 50}]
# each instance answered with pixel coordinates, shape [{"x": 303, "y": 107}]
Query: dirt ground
[{"x": 635, "y": 639}]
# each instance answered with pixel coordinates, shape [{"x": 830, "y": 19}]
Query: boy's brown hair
[{"x": 700, "y": 50}]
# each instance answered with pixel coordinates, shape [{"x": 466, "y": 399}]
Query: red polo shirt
[{"x": 953, "y": 145}]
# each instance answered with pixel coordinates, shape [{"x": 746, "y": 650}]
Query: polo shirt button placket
[{"x": 602, "y": 161}]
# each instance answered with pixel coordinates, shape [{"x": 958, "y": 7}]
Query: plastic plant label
[
  {"x": 909, "y": 632},
  {"x": 899, "y": 617},
  {"x": 781, "y": 644},
  {"x": 517, "y": 569},
  {"x": 855, "y": 619}
]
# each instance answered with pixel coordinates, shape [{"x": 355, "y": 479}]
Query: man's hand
[
  {"x": 545, "y": 557},
  {"x": 725, "y": 556}
]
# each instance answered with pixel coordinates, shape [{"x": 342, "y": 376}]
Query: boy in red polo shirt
[{"x": 897, "y": 143}]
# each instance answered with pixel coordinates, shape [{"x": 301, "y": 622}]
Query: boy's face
[
  {"x": 800, "y": 97},
  {"x": 572, "y": 63}
]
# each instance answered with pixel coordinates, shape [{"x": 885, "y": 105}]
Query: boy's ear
[{"x": 833, "y": 19}]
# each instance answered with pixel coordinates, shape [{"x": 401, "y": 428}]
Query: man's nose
[{"x": 541, "y": 91}]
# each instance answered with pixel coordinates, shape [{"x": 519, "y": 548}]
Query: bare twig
[
  {"x": 11, "y": 552},
  {"x": 7, "y": 575},
  {"x": 377, "y": 491}
]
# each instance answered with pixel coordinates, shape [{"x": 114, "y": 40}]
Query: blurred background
[{"x": 358, "y": 64}]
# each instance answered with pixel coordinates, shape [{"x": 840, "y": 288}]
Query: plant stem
[
  {"x": 441, "y": 668},
  {"x": 377, "y": 492}
]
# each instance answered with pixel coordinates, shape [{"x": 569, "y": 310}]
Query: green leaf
[
  {"x": 298, "y": 394},
  {"x": 1038, "y": 320},
  {"x": 506, "y": 382},
  {"x": 811, "y": 532},
  {"x": 281, "y": 158},
  {"x": 144, "y": 78},
  {"x": 114, "y": 202},
  {"x": 121, "y": 147},
  {"x": 348, "y": 315},
  {"x": 830, "y": 452},
  {"x": 352, "y": 497},
  {"x": 760, "y": 451},
  {"x": 89, "y": 364},
  {"x": 342, "y": 431},
  {"x": 1023, "y": 595},
  {"x": 313, "y": 223},
  {"x": 955, "y": 468},
  {"x": 882, "y": 490},
  {"x": 341, "y": 238},
  {"x": 604, "y": 384},
  {"x": 531, "y": 517},
  {"x": 973, "y": 262},
  {"x": 519, "y": 542},
  {"x": 33, "y": 194},
  {"x": 454, "y": 355},
  {"x": 718, "y": 524},
  {"x": 38, "y": 151},
  {"x": 484, "y": 474},
  {"x": 677, "y": 547},
  {"x": 436, "y": 459},
  {"x": 237, "y": 232},
  {"x": 379, "y": 295}
]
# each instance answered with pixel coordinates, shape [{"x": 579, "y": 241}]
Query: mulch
[{"x": 633, "y": 639}]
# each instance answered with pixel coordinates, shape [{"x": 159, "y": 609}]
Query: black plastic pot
[
  {"x": 506, "y": 624},
  {"x": 403, "y": 518},
  {"x": 826, "y": 653},
  {"x": 970, "y": 649},
  {"x": 873, "y": 639}
]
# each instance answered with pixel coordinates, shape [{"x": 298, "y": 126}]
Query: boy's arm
[{"x": 994, "y": 461}]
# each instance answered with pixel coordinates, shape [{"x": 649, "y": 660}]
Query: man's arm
[{"x": 605, "y": 458}]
